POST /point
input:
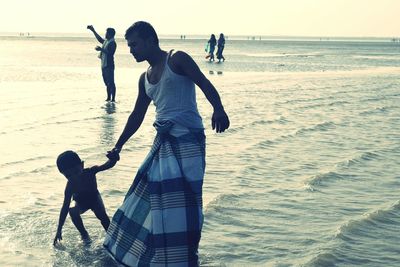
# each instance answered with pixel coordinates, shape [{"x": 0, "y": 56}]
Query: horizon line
[{"x": 83, "y": 34}]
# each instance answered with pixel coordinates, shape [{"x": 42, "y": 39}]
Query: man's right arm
[
  {"x": 137, "y": 116},
  {"x": 98, "y": 37}
]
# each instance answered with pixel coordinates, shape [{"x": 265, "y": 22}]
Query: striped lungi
[{"x": 160, "y": 220}]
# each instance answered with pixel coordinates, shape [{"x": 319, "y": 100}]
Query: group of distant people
[
  {"x": 160, "y": 220},
  {"x": 210, "y": 48}
]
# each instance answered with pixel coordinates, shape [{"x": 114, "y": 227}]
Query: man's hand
[
  {"x": 220, "y": 121},
  {"x": 90, "y": 27},
  {"x": 97, "y": 48},
  {"x": 57, "y": 238}
]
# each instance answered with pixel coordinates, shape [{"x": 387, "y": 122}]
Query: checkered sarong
[{"x": 160, "y": 220}]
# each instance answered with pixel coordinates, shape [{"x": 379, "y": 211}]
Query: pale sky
[{"x": 358, "y": 18}]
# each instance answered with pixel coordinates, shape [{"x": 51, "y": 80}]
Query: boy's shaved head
[{"x": 67, "y": 160}]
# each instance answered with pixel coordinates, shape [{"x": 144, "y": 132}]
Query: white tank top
[{"x": 175, "y": 98}]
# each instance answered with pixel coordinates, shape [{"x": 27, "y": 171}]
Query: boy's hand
[
  {"x": 97, "y": 48},
  {"x": 57, "y": 238},
  {"x": 113, "y": 154}
]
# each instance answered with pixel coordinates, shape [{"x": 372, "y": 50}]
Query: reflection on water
[
  {"x": 108, "y": 124},
  {"x": 83, "y": 255},
  {"x": 110, "y": 107}
]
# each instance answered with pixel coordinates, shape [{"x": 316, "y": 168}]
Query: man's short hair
[
  {"x": 111, "y": 31},
  {"x": 144, "y": 31},
  {"x": 67, "y": 160}
]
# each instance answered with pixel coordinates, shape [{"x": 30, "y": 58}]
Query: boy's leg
[
  {"x": 100, "y": 212},
  {"x": 75, "y": 214}
]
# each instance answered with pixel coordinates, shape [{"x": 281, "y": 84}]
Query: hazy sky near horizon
[{"x": 359, "y": 18}]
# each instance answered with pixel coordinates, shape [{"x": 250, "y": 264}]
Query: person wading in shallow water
[
  {"x": 160, "y": 220},
  {"x": 82, "y": 187},
  {"x": 107, "y": 51},
  {"x": 221, "y": 46},
  {"x": 211, "y": 47}
]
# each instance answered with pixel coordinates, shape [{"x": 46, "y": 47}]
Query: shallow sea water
[{"x": 307, "y": 175}]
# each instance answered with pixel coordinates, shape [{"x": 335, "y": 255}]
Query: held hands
[
  {"x": 97, "y": 48},
  {"x": 220, "y": 121},
  {"x": 113, "y": 155}
]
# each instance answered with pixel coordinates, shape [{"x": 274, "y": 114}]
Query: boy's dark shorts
[{"x": 94, "y": 203}]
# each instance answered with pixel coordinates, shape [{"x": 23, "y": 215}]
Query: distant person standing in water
[
  {"x": 211, "y": 46},
  {"x": 221, "y": 46},
  {"x": 160, "y": 220},
  {"x": 107, "y": 51}
]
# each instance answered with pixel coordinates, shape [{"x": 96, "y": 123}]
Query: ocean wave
[
  {"x": 48, "y": 164},
  {"x": 262, "y": 122},
  {"x": 378, "y": 57},
  {"x": 231, "y": 203},
  {"x": 222, "y": 198},
  {"x": 377, "y": 110},
  {"x": 366, "y": 156},
  {"x": 268, "y": 143},
  {"x": 38, "y": 126},
  {"x": 310, "y": 188},
  {"x": 280, "y": 55},
  {"x": 15, "y": 174},
  {"x": 33, "y": 74},
  {"x": 372, "y": 99},
  {"x": 325, "y": 126},
  {"x": 306, "y": 100},
  {"x": 264, "y": 55},
  {"x": 354, "y": 241},
  {"x": 322, "y": 104},
  {"x": 11, "y": 163},
  {"x": 338, "y": 103},
  {"x": 114, "y": 192},
  {"x": 381, "y": 218},
  {"x": 280, "y": 119},
  {"x": 27, "y": 173},
  {"x": 323, "y": 259},
  {"x": 331, "y": 176}
]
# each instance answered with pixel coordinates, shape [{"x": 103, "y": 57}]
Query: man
[
  {"x": 107, "y": 51},
  {"x": 160, "y": 220}
]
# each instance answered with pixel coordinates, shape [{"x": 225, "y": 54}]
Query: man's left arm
[{"x": 183, "y": 64}]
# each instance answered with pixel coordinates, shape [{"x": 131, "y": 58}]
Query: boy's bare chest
[{"x": 84, "y": 184}]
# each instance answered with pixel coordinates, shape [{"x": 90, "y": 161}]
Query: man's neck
[{"x": 157, "y": 57}]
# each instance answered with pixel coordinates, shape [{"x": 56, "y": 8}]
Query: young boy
[{"x": 82, "y": 187}]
